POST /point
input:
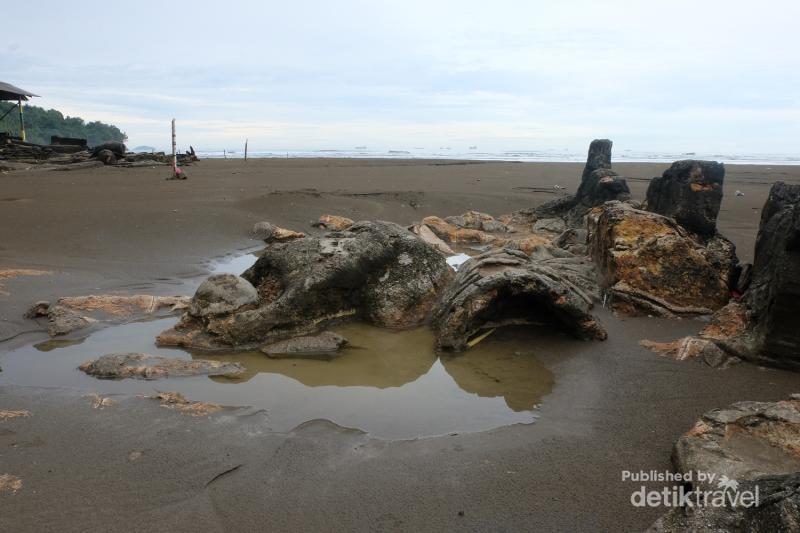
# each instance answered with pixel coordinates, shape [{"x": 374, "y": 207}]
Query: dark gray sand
[{"x": 135, "y": 465}]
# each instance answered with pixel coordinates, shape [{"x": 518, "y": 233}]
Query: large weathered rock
[
  {"x": 690, "y": 192},
  {"x": 778, "y": 510},
  {"x": 599, "y": 184},
  {"x": 377, "y": 271},
  {"x": 650, "y": 264},
  {"x": 773, "y": 296},
  {"x": 146, "y": 366},
  {"x": 762, "y": 326},
  {"x": 743, "y": 442},
  {"x": 326, "y": 345},
  {"x": 504, "y": 287},
  {"x": 222, "y": 294}
]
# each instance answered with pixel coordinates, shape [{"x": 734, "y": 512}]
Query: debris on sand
[
  {"x": 99, "y": 402},
  {"x": 326, "y": 345},
  {"x": 77, "y": 312},
  {"x": 178, "y": 402},
  {"x": 8, "y": 414},
  {"x": 271, "y": 233},
  {"x": 333, "y": 222},
  {"x": 61, "y": 156},
  {"x": 146, "y": 366},
  {"x": 9, "y": 483}
]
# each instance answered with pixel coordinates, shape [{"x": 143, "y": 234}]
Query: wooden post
[
  {"x": 174, "y": 150},
  {"x": 245, "y": 150},
  {"x": 21, "y": 121}
]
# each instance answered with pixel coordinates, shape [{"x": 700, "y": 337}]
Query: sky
[{"x": 700, "y": 76}]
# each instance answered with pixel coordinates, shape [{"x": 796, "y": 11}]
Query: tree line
[{"x": 41, "y": 123}]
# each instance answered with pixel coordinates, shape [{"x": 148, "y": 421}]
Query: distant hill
[
  {"x": 41, "y": 123},
  {"x": 144, "y": 148}
]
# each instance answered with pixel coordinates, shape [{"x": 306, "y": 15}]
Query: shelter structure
[{"x": 10, "y": 93}]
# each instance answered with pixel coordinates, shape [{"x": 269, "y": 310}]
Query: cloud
[{"x": 507, "y": 75}]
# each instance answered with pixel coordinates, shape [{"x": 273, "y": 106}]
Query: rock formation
[
  {"x": 146, "y": 366},
  {"x": 376, "y": 271},
  {"x": 508, "y": 287},
  {"x": 690, "y": 192},
  {"x": 761, "y": 327},
  {"x": 652, "y": 265},
  {"x": 773, "y": 296},
  {"x": 599, "y": 184},
  {"x": 755, "y": 444}
]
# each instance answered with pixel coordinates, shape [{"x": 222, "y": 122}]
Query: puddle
[
  {"x": 390, "y": 384},
  {"x": 234, "y": 264}
]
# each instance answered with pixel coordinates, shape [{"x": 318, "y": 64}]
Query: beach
[{"x": 615, "y": 405}]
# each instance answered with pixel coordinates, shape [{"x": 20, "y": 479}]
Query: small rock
[
  {"x": 324, "y": 345},
  {"x": 222, "y": 293},
  {"x": 146, "y": 366},
  {"x": 333, "y": 222}
]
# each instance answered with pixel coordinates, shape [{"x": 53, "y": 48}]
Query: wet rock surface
[
  {"x": 743, "y": 441},
  {"x": 78, "y": 312},
  {"x": 690, "y": 192},
  {"x": 146, "y": 366},
  {"x": 652, "y": 265},
  {"x": 376, "y": 271},
  {"x": 326, "y": 345},
  {"x": 507, "y": 287},
  {"x": 755, "y": 444}
]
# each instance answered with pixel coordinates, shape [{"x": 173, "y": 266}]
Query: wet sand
[{"x": 614, "y": 405}]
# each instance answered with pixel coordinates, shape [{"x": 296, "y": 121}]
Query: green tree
[{"x": 41, "y": 123}]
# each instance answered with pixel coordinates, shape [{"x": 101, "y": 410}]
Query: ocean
[{"x": 511, "y": 155}]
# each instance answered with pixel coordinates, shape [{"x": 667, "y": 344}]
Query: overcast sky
[{"x": 665, "y": 76}]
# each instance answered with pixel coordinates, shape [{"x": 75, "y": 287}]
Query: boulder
[
  {"x": 270, "y": 233},
  {"x": 146, "y": 366},
  {"x": 773, "y": 296},
  {"x": 457, "y": 234},
  {"x": 690, "y": 192},
  {"x": 652, "y": 265},
  {"x": 761, "y": 326},
  {"x": 326, "y": 345},
  {"x": 778, "y": 510},
  {"x": 601, "y": 186},
  {"x": 476, "y": 220},
  {"x": 222, "y": 294},
  {"x": 376, "y": 271},
  {"x": 743, "y": 441},
  {"x": 506, "y": 287}
]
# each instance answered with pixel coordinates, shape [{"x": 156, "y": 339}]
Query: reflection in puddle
[{"x": 388, "y": 383}]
